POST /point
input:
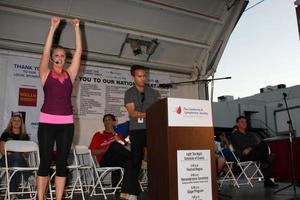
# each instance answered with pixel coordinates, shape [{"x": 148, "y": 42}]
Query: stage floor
[{"x": 258, "y": 192}]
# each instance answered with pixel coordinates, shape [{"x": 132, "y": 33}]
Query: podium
[{"x": 175, "y": 125}]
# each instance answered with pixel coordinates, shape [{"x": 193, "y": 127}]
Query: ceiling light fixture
[
  {"x": 140, "y": 46},
  {"x": 136, "y": 47},
  {"x": 151, "y": 46}
]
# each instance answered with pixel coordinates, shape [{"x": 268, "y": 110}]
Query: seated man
[
  {"x": 248, "y": 148},
  {"x": 109, "y": 147}
]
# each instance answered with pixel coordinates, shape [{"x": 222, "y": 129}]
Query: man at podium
[{"x": 137, "y": 99}]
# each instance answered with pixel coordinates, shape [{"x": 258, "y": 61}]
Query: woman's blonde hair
[{"x": 22, "y": 128}]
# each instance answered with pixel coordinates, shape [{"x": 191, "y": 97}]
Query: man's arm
[
  {"x": 247, "y": 150},
  {"x": 95, "y": 145},
  {"x": 97, "y": 151},
  {"x": 134, "y": 113},
  {"x": 99, "y": 144}
]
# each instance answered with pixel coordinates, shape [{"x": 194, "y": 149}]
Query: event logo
[
  {"x": 27, "y": 97},
  {"x": 190, "y": 111},
  {"x": 178, "y": 110}
]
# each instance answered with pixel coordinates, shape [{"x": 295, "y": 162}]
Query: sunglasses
[
  {"x": 16, "y": 114},
  {"x": 143, "y": 97}
]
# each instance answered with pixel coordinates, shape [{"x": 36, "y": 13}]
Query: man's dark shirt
[{"x": 241, "y": 141}]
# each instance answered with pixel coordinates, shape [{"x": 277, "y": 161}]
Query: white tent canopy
[{"x": 191, "y": 34}]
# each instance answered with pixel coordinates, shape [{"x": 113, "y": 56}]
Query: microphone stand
[
  {"x": 292, "y": 138},
  {"x": 170, "y": 85}
]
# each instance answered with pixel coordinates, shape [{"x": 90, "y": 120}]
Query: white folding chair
[
  {"x": 143, "y": 178},
  {"x": 249, "y": 170},
  {"x": 72, "y": 185},
  {"x": 102, "y": 174},
  {"x": 86, "y": 169},
  {"x": 31, "y": 152},
  {"x": 228, "y": 176},
  {"x": 3, "y": 182}
]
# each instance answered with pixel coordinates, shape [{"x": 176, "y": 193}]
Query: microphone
[
  {"x": 115, "y": 129},
  {"x": 284, "y": 95},
  {"x": 54, "y": 62},
  {"x": 165, "y": 85}
]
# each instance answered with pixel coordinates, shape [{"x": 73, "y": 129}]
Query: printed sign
[
  {"x": 194, "y": 175},
  {"x": 27, "y": 97},
  {"x": 189, "y": 113}
]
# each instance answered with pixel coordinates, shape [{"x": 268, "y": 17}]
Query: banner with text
[
  {"x": 102, "y": 91},
  {"x": 96, "y": 91}
]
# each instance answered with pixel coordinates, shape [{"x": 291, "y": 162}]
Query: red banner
[{"x": 27, "y": 97}]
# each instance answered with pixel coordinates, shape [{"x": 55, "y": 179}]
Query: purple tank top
[{"x": 57, "y": 95}]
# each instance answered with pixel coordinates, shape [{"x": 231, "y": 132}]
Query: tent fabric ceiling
[{"x": 191, "y": 34}]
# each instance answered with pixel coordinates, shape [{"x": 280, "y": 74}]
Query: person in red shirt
[{"x": 109, "y": 147}]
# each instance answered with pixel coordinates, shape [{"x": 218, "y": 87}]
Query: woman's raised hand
[
  {"x": 75, "y": 22},
  {"x": 55, "y": 21}
]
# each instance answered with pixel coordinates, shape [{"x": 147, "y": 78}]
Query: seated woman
[
  {"x": 220, "y": 160},
  {"x": 225, "y": 145},
  {"x": 15, "y": 131}
]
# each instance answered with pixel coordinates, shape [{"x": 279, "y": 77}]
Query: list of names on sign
[
  {"x": 99, "y": 90},
  {"x": 194, "y": 175}
]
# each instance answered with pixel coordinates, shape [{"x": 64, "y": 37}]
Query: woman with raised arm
[{"x": 56, "y": 117}]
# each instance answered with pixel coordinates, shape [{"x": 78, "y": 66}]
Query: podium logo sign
[{"x": 189, "y": 113}]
